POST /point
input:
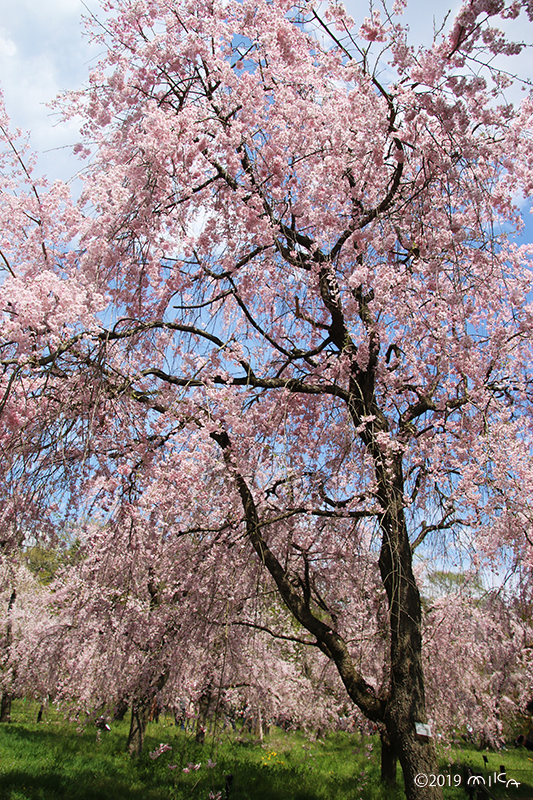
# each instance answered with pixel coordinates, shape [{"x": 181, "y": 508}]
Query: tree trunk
[
  {"x": 120, "y": 710},
  {"x": 406, "y": 704},
  {"x": 259, "y": 724},
  {"x": 5, "y": 707},
  {"x": 203, "y": 709},
  {"x": 140, "y": 711},
  {"x": 389, "y": 760},
  {"x": 418, "y": 760},
  {"x": 5, "y": 703}
]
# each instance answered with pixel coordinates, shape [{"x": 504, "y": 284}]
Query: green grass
[
  {"x": 518, "y": 765},
  {"x": 53, "y": 760}
]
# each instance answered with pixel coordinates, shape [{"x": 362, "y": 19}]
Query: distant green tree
[
  {"x": 444, "y": 582},
  {"x": 45, "y": 562}
]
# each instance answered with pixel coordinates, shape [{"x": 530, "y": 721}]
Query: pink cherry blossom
[{"x": 279, "y": 349}]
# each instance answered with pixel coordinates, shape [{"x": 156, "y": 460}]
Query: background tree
[
  {"x": 478, "y": 652},
  {"x": 25, "y": 626},
  {"x": 294, "y": 270},
  {"x": 153, "y": 621}
]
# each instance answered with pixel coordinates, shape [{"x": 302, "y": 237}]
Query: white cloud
[
  {"x": 8, "y": 49},
  {"x": 43, "y": 52}
]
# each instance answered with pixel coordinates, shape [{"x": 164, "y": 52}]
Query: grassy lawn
[{"x": 54, "y": 760}]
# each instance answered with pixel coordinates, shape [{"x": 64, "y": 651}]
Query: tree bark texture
[
  {"x": 406, "y": 703},
  {"x": 389, "y": 760}
]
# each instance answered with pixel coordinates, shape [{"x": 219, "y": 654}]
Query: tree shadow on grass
[
  {"x": 257, "y": 784},
  {"x": 48, "y": 764},
  {"x": 52, "y": 786},
  {"x": 38, "y": 738}
]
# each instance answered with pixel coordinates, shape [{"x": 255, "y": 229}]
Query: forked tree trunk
[{"x": 140, "y": 711}]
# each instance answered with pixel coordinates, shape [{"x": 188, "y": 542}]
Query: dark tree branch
[
  {"x": 275, "y": 635},
  {"x": 330, "y": 642}
]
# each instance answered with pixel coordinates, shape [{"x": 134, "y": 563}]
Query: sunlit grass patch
[{"x": 56, "y": 759}]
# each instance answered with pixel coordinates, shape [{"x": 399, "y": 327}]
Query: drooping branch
[
  {"x": 275, "y": 634},
  {"x": 329, "y": 641}
]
